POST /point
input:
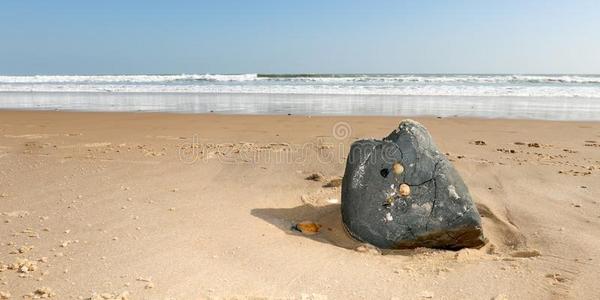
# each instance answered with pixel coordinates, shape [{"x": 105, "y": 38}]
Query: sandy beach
[{"x": 176, "y": 206}]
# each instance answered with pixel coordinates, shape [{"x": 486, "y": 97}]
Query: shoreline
[
  {"x": 537, "y": 108},
  {"x": 283, "y": 115}
]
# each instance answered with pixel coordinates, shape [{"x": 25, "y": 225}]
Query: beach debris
[
  {"x": 22, "y": 249},
  {"x": 467, "y": 254},
  {"x": 492, "y": 249},
  {"x": 425, "y": 205},
  {"x": 16, "y": 214},
  {"x": 556, "y": 277},
  {"x": 533, "y": 145},
  {"x": 315, "y": 177},
  {"x": 332, "y": 201},
  {"x": 109, "y": 296},
  {"x": 23, "y": 265},
  {"x": 479, "y": 143},
  {"x": 512, "y": 151},
  {"x": 149, "y": 284},
  {"x": 425, "y": 295},
  {"x": 30, "y": 233},
  {"x": 144, "y": 279},
  {"x": 308, "y": 227},
  {"x": 43, "y": 292},
  {"x": 574, "y": 173},
  {"x": 368, "y": 248},
  {"x": 335, "y": 182},
  {"x": 66, "y": 243},
  {"x": 526, "y": 253}
]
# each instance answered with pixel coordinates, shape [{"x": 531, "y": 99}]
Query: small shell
[
  {"x": 308, "y": 227},
  {"x": 404, "y": 190},
  {"x": 397, "y": 168},
  {"x": 368, "y": 248}
]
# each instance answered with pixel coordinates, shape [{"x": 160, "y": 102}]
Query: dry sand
[{"x": 165, "y": 206}]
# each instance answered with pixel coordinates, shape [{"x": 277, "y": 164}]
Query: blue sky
[{"x": 138, "y": 37}]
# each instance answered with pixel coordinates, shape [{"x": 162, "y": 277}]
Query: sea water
[{"x": 555, "y": 97}]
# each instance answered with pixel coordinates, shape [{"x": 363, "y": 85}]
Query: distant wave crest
[
  {"x": 124, "y": 78},
  {"x": 400, "y": 78}
]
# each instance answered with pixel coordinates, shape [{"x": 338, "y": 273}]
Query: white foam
[
  {"x": 412, "y": 90},
  {"x": 587, "y": 86}
]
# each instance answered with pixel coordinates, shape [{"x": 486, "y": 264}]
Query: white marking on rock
[
  {"x": 388, "y": 217},
  {"x": 452, "y": 192},
  {"x": 357, "y": 176},
  {"x": 427, "y": 206}
]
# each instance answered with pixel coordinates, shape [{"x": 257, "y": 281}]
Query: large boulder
[{"x": 401, "y": 192}]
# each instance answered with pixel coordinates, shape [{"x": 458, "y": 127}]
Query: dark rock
[{"x": 401, "y": 192}]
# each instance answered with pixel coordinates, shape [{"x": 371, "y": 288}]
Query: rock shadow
[
  {"x": 329, "y": 216},
  {"x": 504, "y": 238}
]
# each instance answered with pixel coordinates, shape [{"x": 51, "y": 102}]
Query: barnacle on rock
[
  {"x": 404, "y": 190},
  {"x": 397, "y": 168}
]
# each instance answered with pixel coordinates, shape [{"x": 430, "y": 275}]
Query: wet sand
[{"x": 174, "y": 206}]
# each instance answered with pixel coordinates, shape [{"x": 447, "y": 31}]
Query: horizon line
[{"x": 299, "y": 74}]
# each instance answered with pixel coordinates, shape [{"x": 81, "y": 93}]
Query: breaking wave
[{"x": 351, "y": 84}]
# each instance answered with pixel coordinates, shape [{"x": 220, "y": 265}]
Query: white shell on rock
[
  {"x": 397, "y": 168},
  {"x": 404, "y": 190}
]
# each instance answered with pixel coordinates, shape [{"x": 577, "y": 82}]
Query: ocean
[{"x": 554, "y": 97}]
